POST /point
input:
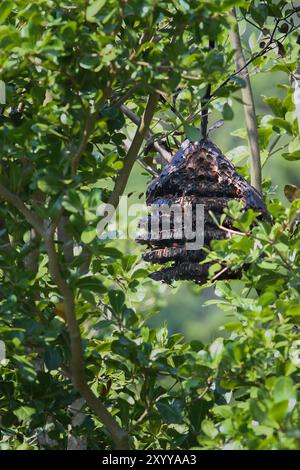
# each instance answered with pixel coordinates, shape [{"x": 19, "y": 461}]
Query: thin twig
[
  {"x": 233, "y": 232},
  {"x": 249, "y": 107},
  {"x": 136, "y": 120},
  {"x": 205, "y": 101},
  {"x": 148, "y": 168},
  {"x": 269, "y": 47},
  {"x": 216, "y": 276},
  {"x": 270, "y": 152},
  {"x": 133, "y": 151}
]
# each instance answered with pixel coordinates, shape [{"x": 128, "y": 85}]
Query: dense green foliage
[{"x": 63, "y": 63}]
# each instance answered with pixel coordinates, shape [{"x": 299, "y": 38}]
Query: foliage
[{"x": 68, "y": 66}]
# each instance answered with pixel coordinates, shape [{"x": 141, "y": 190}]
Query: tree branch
[
  {"x": 167, "y": 156},
  {"x": 205, "y": 101},
  {"x": 269, "y": 47},
  {"x": 32, "y": 218},
  {"x": 249, "y": 108},
  {"x": 119, "y": 436},
  {"x": 133, "y": 151},
  {"x": 148, "y": 168}
]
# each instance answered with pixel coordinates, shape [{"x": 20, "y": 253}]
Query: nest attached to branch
[{"x": 199, "y": 173}]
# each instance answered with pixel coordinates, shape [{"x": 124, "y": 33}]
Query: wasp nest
[{"x": 199, "y": 175}]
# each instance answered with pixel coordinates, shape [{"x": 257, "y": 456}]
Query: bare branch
[
  {"x": 167, "y": 156},
  {"x": 148, "y": 168},
  {"x": 133, "y": 151},
  {"x": 249, "y": 108},
  {"x": 121, "y": 99}
]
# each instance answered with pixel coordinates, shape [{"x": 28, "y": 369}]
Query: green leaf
[
  {"x": 52, "y": 358},
  {"x": 279, "y": 123},
  {"x": 276, "y": 106},
  {"x": 91, "y": 283},
  {"x": 50, "y": 183},
  {"x": 88, "y": 235},
  {"x": 71, "y": 202},
  {"x": 284, "y": 67},
  {"x": 283, "y": 389},
  {"x": 259, "y": 13},
  {"x": 26, "y": 368},
  {"x": 192, "y": 133},
  {"x": 227, "y": 112},
  {"x": 208, "y": 428},
  {"x": 240, "y": 81},
  {"x": 216, "y": 351},
  {"x": 169, "y": 412},
  {"x": 24, "y": 413},
  {"x": 103, "y": 324},
  {"x": 293, "y": 310},
  {"x": 89, "y": 62},
  {"x": 222, "y": 411},
  {"x": 140, "y": 273},
  {"x": 292, "y": 156},
  {"x": 257, "y": 410},
  {"x": 93, "y": 9},
  {"x": 5, "y": 10},
  {"x": 264, "y": 135},
  {"x": 128, "y": 262},
  {"x": 279, "y": 411},
  {"x": 117, "y": 299},
  {"x": 241, "y": 133}
]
